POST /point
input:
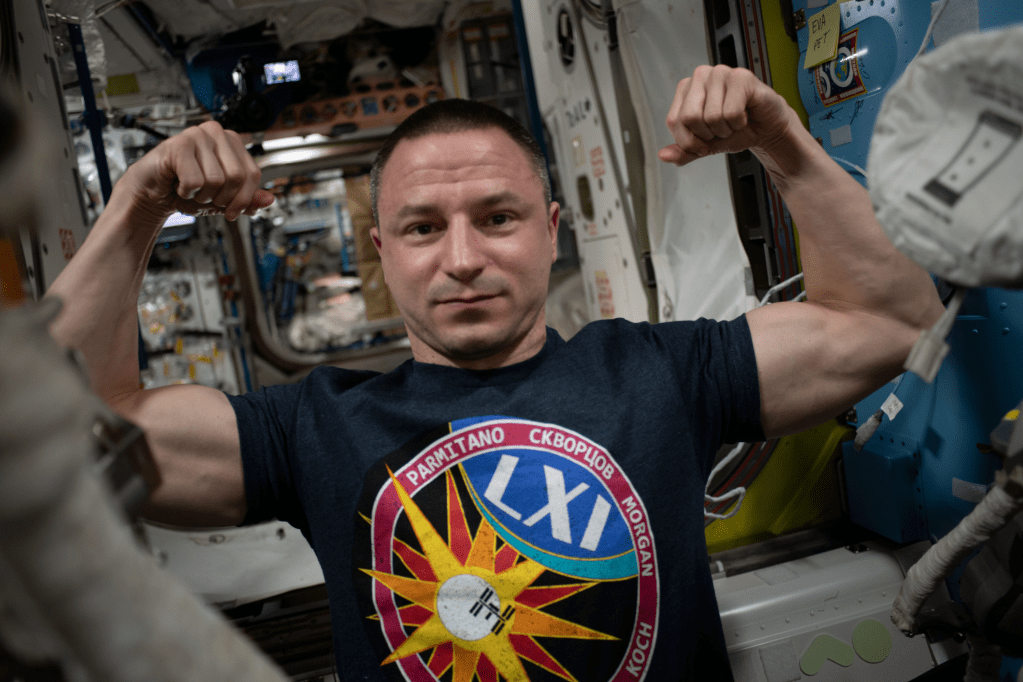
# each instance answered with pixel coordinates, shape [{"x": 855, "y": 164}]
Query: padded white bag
[{"x": 946, "y": 160}]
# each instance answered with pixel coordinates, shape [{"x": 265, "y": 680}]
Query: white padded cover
[{"x": 946, "y": 160}]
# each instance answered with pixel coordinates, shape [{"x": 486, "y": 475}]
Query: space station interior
[{"x": 884, "y": 544}]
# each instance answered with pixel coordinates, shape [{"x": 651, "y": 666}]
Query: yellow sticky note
[{"x": 822, "y": 46}]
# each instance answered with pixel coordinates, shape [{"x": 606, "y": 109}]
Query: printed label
[
  {"x": 597, "y": 161},
  {"x": 67, "y": 243},
  {"x": 605, "y": 297},
  {"x": 892, "y": 406}
]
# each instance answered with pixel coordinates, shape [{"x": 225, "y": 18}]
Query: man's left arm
[{"x": 866, "y": 302}]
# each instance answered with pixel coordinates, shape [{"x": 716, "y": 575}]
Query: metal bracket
[
  {"x": 649, "y": 274},
  {"x": 944, "y": 621},
  {"x": 799, "y": 19}
]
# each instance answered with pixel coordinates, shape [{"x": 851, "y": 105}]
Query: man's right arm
[{"x": 191, "y": 429}]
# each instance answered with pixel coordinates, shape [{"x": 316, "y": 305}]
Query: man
[{"x": 508, "y": 503}]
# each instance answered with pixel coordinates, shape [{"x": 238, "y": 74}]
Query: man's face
[{"x": 466, "y": 241}]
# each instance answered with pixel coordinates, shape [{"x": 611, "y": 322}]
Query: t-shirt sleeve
[
  {"x": 717, "y": 368},
  {"x": 266, "y": 423}
]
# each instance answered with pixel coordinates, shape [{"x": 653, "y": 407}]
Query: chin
[{"x": 477, "y": 347}]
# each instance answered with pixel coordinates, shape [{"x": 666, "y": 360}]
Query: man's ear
[
  {"x": 374, "y": 234},
  {"x": 552, "y": 226}
]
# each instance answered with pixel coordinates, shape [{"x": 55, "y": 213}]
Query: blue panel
[
  {"x": 884, "y": 492},
  {"x": 884, "y": 35},
  {"x": 978, "y": 383},
  {"x": 996, "y": 13}
]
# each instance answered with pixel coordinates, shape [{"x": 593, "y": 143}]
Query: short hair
[{"x": 455, "y": 116}]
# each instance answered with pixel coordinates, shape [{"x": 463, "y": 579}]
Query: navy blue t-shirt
[{"x": 541, "y": 521}]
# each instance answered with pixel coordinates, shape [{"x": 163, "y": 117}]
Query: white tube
[
  {"x": 985, "y": 661},
  {"x": 739, "y": 492},
  {"x": 122, "y": 618},
  {"x": 993, "y": 512}
]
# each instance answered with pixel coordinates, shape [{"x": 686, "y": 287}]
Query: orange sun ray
[
  {"x": 418, "y": 591},
  {"x": 465, "y": 664},
  {"x": 483, "y": 548},
  {"x": 529, "y": 621}
]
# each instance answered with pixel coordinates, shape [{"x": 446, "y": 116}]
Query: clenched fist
[
  {"x": 721, "y": 109},
  {"x": 202, "y": 171}
]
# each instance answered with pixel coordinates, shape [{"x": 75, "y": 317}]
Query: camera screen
[{"x": 281, "y": 72}]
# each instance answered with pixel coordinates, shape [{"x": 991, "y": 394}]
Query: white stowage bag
[{"x": 946, "y": 160}]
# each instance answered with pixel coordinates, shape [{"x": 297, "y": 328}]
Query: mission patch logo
[
  {"x": 503, "y": 549},
  {"x": 839, "y": 79}
]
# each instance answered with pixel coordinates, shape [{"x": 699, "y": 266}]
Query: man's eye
[
  {"x": 500, "y": 219},
  {"x": 422, "y": 229}
]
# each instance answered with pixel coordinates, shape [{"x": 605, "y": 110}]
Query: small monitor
[{"x": 282, "y": 72}]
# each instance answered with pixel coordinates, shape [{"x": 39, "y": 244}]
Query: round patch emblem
[{"x": 506, "y": 549}]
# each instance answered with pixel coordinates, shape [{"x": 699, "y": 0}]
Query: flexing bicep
[
  {"x": 814, "y": 362},
  {"x": 193, "y": 435}
]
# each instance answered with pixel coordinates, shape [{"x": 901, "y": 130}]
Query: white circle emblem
[{"x": 468, "y": 607}]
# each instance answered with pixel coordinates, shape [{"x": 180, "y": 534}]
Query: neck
[{"x": 526, "y": 348}]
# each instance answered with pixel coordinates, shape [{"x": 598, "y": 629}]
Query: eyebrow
[{"x": 485, "y": 202}]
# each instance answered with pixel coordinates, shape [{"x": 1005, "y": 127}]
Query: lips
[{"x": 467, "y": 300}]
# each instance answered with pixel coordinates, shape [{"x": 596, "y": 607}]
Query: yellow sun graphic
[{"x": 472, "y": 604}]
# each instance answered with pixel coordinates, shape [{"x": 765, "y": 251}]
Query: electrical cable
[
  {"x": 778, "y": 287},
  {"x": 930, "y": 27},
  {"x": 852, "y": 165},
  {"x": 739, "y": 493}
]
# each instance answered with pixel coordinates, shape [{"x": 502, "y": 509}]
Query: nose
[{"x": 464, "y": 258}]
